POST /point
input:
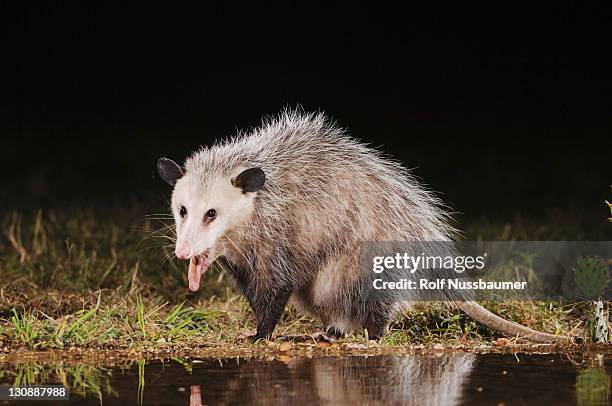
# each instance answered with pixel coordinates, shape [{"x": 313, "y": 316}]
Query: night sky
[{"x": 501, "y": 110}]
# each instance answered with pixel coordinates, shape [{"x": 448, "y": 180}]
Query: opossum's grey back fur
[
  {"x": 309, "y": 160},
  {"x": 325, "y": 194}
]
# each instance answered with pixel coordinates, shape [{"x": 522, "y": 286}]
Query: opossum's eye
[
  {"x": 183, "y": 211},
  {"x": 210, "y": 215}
]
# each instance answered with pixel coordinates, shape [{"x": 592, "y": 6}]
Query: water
[{"x": 448, "y": 379}]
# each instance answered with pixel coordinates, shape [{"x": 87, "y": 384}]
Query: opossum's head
[{"x": 205, "y": 208}]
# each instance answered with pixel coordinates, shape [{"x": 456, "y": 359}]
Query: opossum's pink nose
[{"x": 183, "y": 252}]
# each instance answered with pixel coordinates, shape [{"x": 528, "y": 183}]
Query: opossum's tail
[{"x": 510, "y": 328}]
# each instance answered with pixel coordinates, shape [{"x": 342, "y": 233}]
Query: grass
[
  {"x": 104, "y": 280},
  {"x": 25, "y": 330}
]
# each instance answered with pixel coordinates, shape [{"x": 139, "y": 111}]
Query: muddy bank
[{"x": 289, "y": 349}]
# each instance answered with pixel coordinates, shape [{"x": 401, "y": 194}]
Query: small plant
[
  {"x": 184, "y": 322},
  {"x": 140, "y": 316},
  {"x": 82, "y": 329},
  {"x": 25, "y": 330},
  {"x": 592, "y": 277}
]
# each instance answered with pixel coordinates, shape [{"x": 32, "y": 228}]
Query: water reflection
[
  {"x": 415, "y": 380},
  {"x": 593, "y": 383},
  {"x": 195, "y": 395},
  {"x": 83, "y": 380},
  {"x": 447, "y": 379}
]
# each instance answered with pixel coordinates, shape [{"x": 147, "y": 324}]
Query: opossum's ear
[
  {"x": 169, "y": 171},
  {"x": 250, "y": 180}
]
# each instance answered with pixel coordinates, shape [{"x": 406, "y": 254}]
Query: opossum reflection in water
[
  {"x": 416, "y": 379},
  {"x": 287, "y": 209}
]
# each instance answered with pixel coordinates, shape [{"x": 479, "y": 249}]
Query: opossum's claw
[
  {"x": 253, "y": 336},
  {"x": 247, "y": 335}
]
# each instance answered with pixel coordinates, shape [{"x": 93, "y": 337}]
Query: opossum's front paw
[
  {"x": 247, "y": 335},
  {"x": 253, "y": 336}
]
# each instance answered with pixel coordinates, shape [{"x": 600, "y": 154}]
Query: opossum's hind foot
[
  {"x": 334, "y": 332},
  {"x": 330, "y": 334},
  {"x": 321, "y": 336},
  {"x": 375, "y": 327}
]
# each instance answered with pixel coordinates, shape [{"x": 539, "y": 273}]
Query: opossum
[{"x": 285, "y": 211}]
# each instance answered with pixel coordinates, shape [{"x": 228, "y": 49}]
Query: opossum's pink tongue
[{"x": 197, "y": 266}]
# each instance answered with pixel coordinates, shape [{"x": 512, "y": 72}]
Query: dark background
[{"x": 501, "y": 110}]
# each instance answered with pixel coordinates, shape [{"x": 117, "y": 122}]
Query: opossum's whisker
[
  {"x": 166, "y": 250},
  {"x": 163, "y": 228},
  {"x": 162, "y": 236},
  {"x": 158, "y": 237},
  {"x": 162, "y": 220},
  {"x": 166, "y": 227},
  {"x": 161, "y": 232},
  {"x": 169, "y": 255},
  {"x": 159, "y": 246},
  {"x": 166, "y": 259},
  {"x": 158, "y": 214}
]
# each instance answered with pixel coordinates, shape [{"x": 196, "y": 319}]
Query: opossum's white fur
[{"x": 325, "y": 194}]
